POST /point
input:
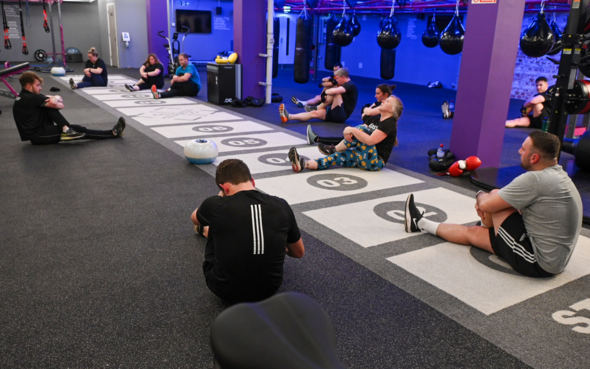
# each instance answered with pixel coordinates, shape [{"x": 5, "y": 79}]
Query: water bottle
[
  {"x": 440, "y": 153},
  {"x": 545, "y": 127}
]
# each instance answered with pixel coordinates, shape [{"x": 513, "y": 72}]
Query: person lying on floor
[
  {"x": 95, "y": 72},
  {"x": 370, "y": 114},
  {"x": 186, "y": 81},
  {"x": 248, "y": 235},
  {"x": 535, "y": 109},
  {"x": 338, "y": 107},
  {"x": 533, "y": 223},
  {"x": 365, "y": 147},
  {"x": 38, "y": 119},
  {"x": 327, "y": 82},
  {"x": 152, "y": 74}
]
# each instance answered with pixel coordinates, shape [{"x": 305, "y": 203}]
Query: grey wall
[
  {"x": 80, "y": 30},
  {"x": 131, "y": 17}
]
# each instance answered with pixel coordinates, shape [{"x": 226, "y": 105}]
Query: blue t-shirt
[{"x": 190, "y": 68}]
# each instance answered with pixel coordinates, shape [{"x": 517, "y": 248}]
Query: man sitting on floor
[
  {"x": 533, "y": 223},
  {"x": 327, "y": 82},
  {"x": 248, "y": 234},
  {"x": 535, "y": 109},
  {"x": 340, "y": 102},
  {"x": 186, "y": 81},
  {"x": 38, "y": 119}
]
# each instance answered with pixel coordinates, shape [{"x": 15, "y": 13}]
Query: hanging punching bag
[
  {"x": 355, "y": 25},
  {"x": 431, "y": 35},
  {"x": 538, "y": 39},
  {"x": 343, "y": 33},
  {"x": 275, "y": 47},
  {"x": 451, "y": 39},
  {"x": 302, "y": 51},
  {"x": 387, "y": 64},
  {"x": 332, "y": 50},
  {"x": 389, "y": 36},
  {"x": 558, "y": 45}
]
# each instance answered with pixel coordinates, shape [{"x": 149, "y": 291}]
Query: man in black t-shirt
[
  {"x": 535, "y": 109},
  {"x": 38, "y": 119},
  {"x": 339, "y": 105},
  {"x": 248, "y": 234}
]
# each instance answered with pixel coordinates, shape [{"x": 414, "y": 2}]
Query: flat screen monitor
[{"x": 198, "y": 21}]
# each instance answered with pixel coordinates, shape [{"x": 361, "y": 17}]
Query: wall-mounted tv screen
[{"x": 198, "y": 21}]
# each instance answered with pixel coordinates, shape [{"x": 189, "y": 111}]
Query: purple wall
[
  {"x": 485, "y": 80},
  {"x": 157, "y": 15},
  {"x": 249, "y": 41}
]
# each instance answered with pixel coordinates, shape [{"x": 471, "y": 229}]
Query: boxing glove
[
  {"x": 472, "y": 163},
  {"x": 455, "y": 170}
]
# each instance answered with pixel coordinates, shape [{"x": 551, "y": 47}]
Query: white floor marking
[
  {"x": 319, "y": 185},
  {"x": 197, "y": 113},
  {"x": 272, "y": 161},
  {"x": 104, "y": 90},
  {"x": 149, "y": 102},
  {"x": 386, "y": 215},
  {"x": 256, "y": 141},
  {"x": 453, "y": 269},
  {"x": 125, "y": 96},
  {"x": 213, "y": 129}
]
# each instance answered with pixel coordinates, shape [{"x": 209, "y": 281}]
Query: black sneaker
[
  {"x": 129, "y": 87},
  {"x": 70, "y": 135},
  {"x": 298, "y": 102},
  {"x": 326, "y": 149},
  {"x": 311, "y": 136},
  {"x": 412, "y": 215},
  {"x": 119, "y": 127},
  {"x": 155, "y": 92},
  {"x": 309, "y": 108},
  {"x": 73, "y": 84},
  {"x": 297, "y": 162}
]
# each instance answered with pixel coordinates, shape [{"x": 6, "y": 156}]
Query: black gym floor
[{"x": 100, "y": 266}]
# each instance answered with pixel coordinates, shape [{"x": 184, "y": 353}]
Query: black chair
[{"x": 288, "y": 330}]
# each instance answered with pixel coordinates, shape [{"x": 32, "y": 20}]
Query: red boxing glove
[
  {"x": 455, "y": 170},
  {"x": 472, "y": 163}
]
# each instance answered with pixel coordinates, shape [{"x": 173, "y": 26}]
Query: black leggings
[
  {"x": 151, "y": 81},
  {"x": 188, "y": 88},
  {"x": 51, "y": 134}
]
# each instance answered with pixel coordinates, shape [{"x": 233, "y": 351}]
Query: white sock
[
  {"x": 428, "y": 225},
  {"x": 303, "y": 102}
]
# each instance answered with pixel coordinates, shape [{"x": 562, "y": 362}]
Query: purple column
[
  {"x": 157, "y": 20},
  {"x": 485, "y": 80},
  {"x": 249, "y": 41}
]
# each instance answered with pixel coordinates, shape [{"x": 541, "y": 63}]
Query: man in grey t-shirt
[{"x": 533, "y": 223}]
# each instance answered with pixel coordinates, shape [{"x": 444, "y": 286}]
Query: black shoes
[
  {"x": 70, "y": 134},
  {"x": 119, "y": 127},
  {"x": 297, "y": 162},
  {"x": 412, "y": 216},
  {"x": 129, "y": 87},
  {"x": 326, "y": 149},
  {"x": 73, "y": 84}
]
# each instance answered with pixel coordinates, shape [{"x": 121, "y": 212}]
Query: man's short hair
[
  {"x": 184, "y": 55},
  {"x": 29, "y": 78},
  {"x": 541, "y": 79},
  {"x": 546, "y": 144},
  {"x": 342, "y": 72},
  {"x": 232, "y": 171}
]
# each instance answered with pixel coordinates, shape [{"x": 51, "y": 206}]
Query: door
[{"x": 113, "y": 39}]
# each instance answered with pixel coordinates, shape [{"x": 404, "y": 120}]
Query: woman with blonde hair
[
  {"x": 95, "y": 72},
  {"x": 152, "y": 74}
]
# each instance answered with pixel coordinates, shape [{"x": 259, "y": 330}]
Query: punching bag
[
  {"x": 387, "y": 64},
  {"x": 538, "y": 39},
  {"x": 451, "y": 40},
  {"x": 389, "y": 36},
  {"x": 302, "y": 51},
  {"x": 355, "y": 25},
  {"x": 275, "y": 47},
  {"x": 431, "y": 35},
  {"x": 558, "y": 45},
  {"x": 332, "y": 50},
  {"x": 343, "y": 33}
]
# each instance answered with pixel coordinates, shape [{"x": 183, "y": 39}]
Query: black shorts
[
  {"x": 336, "y": 115},
  {"x": 512, "y": 244},
  {"x": 536, "y": 122}
]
